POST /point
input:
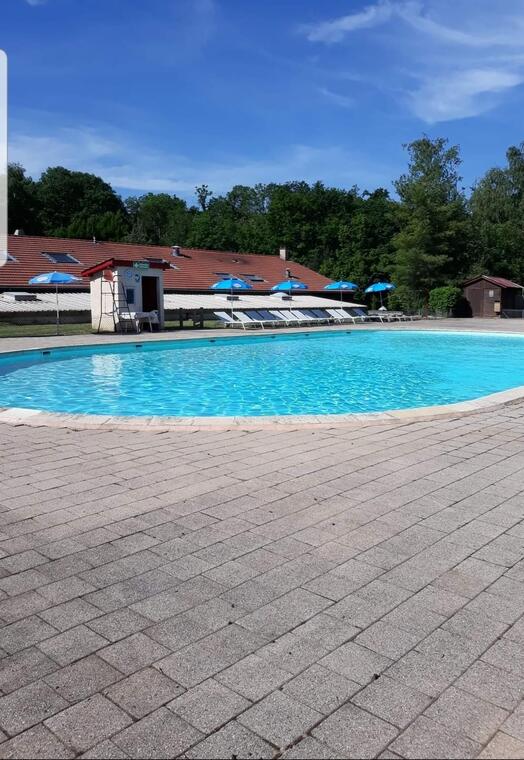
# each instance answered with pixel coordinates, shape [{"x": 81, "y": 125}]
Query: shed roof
[
  {"x": 500, "y": 282},
  {"x": 194, "y": 269}
]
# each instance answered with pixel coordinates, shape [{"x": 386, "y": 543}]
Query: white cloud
[
  {"x": 137, "y": 168},
  {"x": 463, "y": 94},
  {"x": 455, "y": 58},
  {"x": 344, "y": 101},
  {"x": 336, "y": 29}
]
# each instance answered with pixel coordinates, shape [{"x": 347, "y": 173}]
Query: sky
[{"x": 164, "y": 95}]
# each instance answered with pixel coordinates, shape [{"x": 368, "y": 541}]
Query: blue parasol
[{"x": 56, "y": 279}]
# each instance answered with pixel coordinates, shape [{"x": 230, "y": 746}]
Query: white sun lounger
[
  {"x": 248, "y": 321},
  {"x": 286, "y": 316},
  {"x": 227, "y": 319}
]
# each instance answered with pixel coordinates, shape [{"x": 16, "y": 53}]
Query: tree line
[{"x": 432, "y": 234}]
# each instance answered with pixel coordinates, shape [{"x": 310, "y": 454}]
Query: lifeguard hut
[{"x": 125, "y": 294}]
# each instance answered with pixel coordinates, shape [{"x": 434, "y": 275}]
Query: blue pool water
[{"x": 319, "y": 373}]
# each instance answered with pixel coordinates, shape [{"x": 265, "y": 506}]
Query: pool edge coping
[{"x": 157, "y": 424}]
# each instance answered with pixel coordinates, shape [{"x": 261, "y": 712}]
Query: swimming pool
[{"x": 300, "y": 374}]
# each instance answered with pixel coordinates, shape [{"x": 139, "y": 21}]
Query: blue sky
[{"x": 164, "y": 95}]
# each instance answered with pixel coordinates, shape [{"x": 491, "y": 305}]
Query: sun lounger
[
  {"x": 303, "y": 318},
  {"x": 265, "y": 319},
  {"x": 319, "y": 315},
  {"x": 273, "y": 317},
  {"x": 288, "y": 318},
  {"x": 227, "y": 319},
  {"x": 248, "y": 321}
]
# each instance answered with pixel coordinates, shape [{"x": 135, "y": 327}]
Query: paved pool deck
[{"x": 332, "y": 592}]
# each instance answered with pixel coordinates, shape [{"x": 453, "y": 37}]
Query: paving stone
[
  {"x": 25, "y": 581},
  {"x": 83, "y": 678},
  {"x": 72, "y": 645},
  {"x": 392, "y": 701},
  {"x": 279, "y": 719},
  {"x": 475, "y": 625},
  {"x": 159, "y": 735},
  {"x": 355, "y": 733},
  {"x": 467, "y": 714},
  {"x": 253, "y": 677},
  {"x": 24, "y": 633},
  {"x": 234, "y": 740},
  {"x": 507, "y": 655},
  {"x": 205, "y": 658},
  {"x": 388, "y": 640},
  {"x": 179, "y": 599},
  {"x": 65, "y": 589},
  {"x": 119, "y": 624},
  {"x": 133, "y": 653},
  {"x": 502, "y": 746},
  {"x": 356, "y": 663},
  {"x": 27, "y": 706},
  {"x": 17, "y": 563},
  {"x": 87, "y": 723},
  {"x": 23, "y": 667},
  {"x": 37, "y": 742},
  {"x": 321, "y": 689},
  {"x": 424, "y": 673},
  {"x": 427, "y": 739},
  {"x": 208, "y": 705},
  {"x": 69, "y": 614},
  {"x": 469, "y": 578},
  {"x": 448, "y": 647},
  {"x": 21, "y": 606},
  {"x": 285, "y": 613},
  {"x": 143, "y": 692},
  {"x": 412, "y": 615},
  {"x": 104, "y": 751},
  {"x": 514, "y": 725},
  {"x": 292, "y": 652},
  {"x": 440, "y": 600},
  {"x": 310, "y": 748},
  {"x": 493, "y": 684}
]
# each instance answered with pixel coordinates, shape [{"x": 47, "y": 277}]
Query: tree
[
  {"x": 203, "y": 194},
  {"x": 497, "y": 219},
  {"x": 158, "y": 219},
  {"x": 365, "y": 240},
  {"x": 65, "y": 195},
  {"x": 432, "y": 242},
  {"x": 22, "y": 201}
]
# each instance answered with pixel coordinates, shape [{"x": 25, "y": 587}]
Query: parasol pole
[{"x": 57, "y": 312}]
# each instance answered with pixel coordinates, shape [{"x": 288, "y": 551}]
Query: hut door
[{"x": 149, "y": 294}]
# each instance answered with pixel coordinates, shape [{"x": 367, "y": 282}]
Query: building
[
  {"x": 494, "y": 297},
  {"x": 187, "y": 278},
  {"x": 191, "y": 270}
]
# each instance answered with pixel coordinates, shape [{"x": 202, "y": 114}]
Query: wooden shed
[{"x": 493, "y": 296}]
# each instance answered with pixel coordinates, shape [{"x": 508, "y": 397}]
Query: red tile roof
[
  {"x": 196, "y": 269},
  {"x": 501, "y": 282}
]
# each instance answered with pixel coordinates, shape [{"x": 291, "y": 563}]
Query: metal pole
[{"x": 57, "y": 313}]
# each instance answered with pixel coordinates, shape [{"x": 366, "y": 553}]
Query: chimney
[
  {"x": 175, "y": 250},
  {"x": 283, "y": 253},
  {"x": 19, "y": 233}
]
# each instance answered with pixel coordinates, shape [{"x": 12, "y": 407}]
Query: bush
[
  {"x": 443, "y": 301},
  {"x": 404, "y": 299}
]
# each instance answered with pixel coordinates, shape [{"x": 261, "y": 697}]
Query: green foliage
[
  {"x": 429, "y": 238},
  {"x": 158, "y": 219},
  {"x": 65, "y": 197},
  {"x": 22, "y": 201},
  {"x": 431, "y": 245},
  {"x": 497, "y": 216},
  {"x": 444, "y": 300}
]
